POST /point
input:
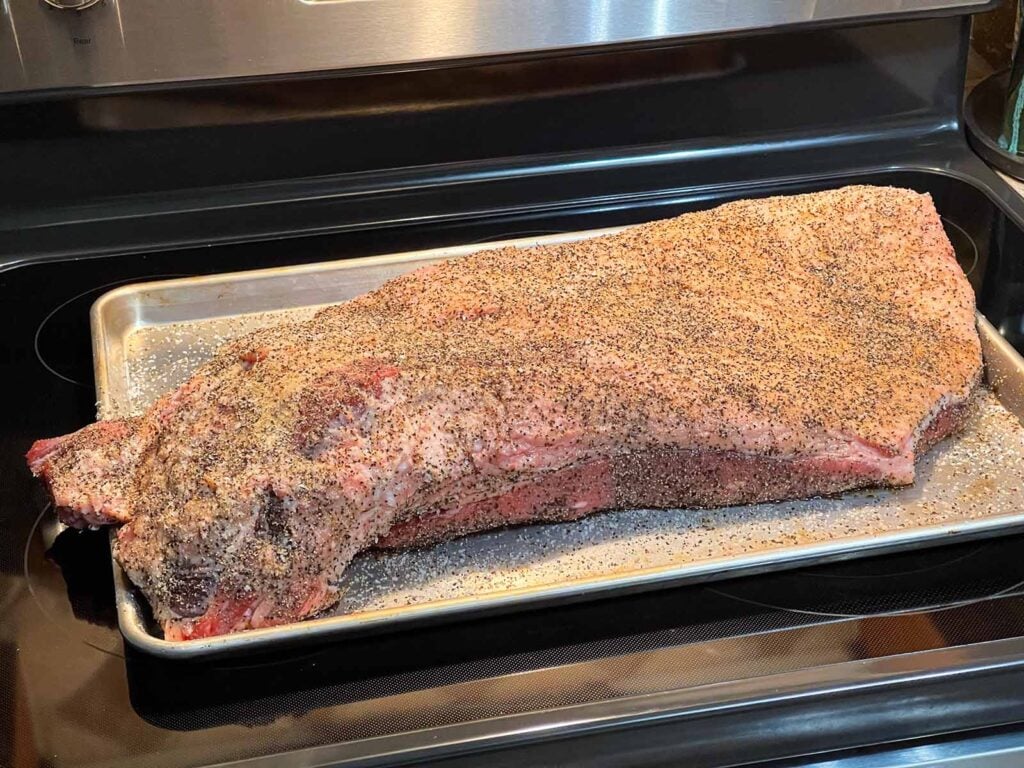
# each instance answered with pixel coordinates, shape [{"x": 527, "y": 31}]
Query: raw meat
[{"x": 766, "y": 349}]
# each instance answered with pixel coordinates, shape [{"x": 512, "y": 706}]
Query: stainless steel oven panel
[{"x": 66, "y": 44}]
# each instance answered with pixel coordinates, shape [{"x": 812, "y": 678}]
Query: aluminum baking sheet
[{"x": 149, "y": 337}]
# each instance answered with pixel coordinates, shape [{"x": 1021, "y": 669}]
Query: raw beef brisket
[{"x": 766, "y": 349}]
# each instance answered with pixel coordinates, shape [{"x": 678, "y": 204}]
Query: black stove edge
[
  {"x": 466, "y": 191},
  {"x": 997, "y": 747},
  {"x": 885, "y": 700}
]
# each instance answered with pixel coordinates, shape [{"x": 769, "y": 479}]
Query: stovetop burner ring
[
  {"x": 1015, "y": 588},
  {"x": 98, "y": 289},
  {"x": 959, "y": 251},
  {"x": 854, "y": 574},
  {"x": 914, "y": 581},
  {"x": 31, "y": 558}
]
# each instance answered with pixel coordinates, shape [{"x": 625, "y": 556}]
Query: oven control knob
[{"x": 71, "y": 5}]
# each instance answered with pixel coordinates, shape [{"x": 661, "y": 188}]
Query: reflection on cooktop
[{"x": 84, "y": 561}]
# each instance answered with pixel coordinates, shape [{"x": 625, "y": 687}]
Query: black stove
[{"x": 853, "y": 655}]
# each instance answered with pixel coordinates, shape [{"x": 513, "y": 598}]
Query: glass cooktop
[{"x": 72, "y": 694}]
